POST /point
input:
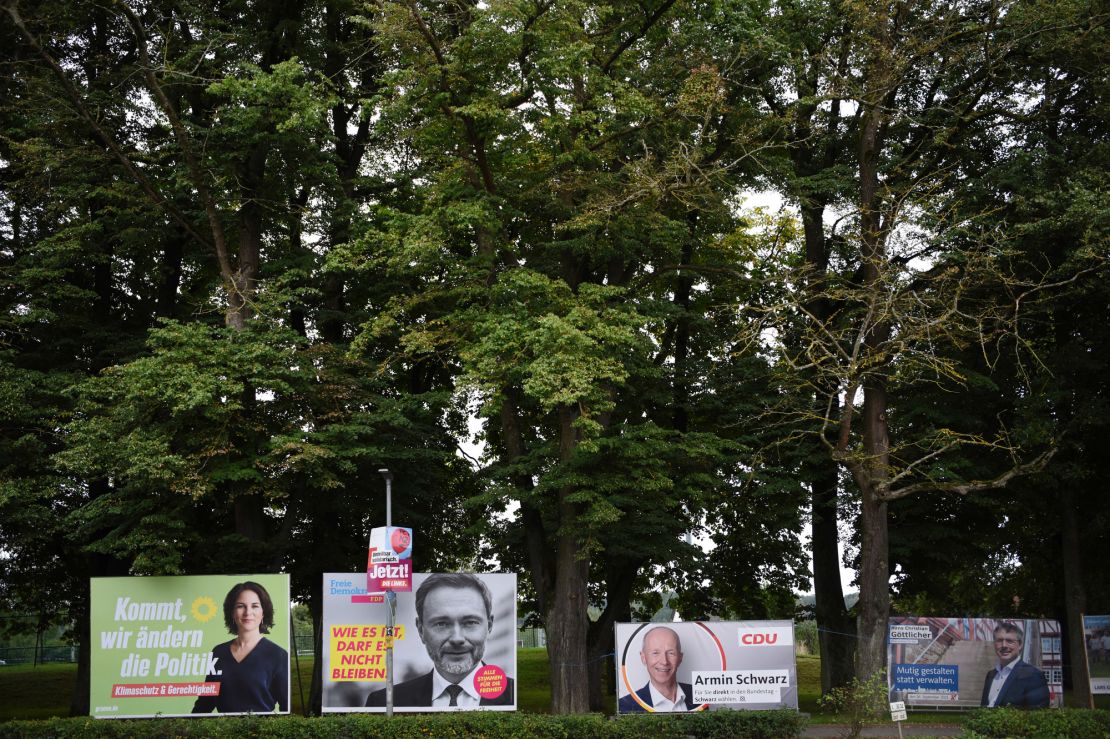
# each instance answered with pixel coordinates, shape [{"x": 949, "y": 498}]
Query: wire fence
[
  {"x": 304, "y": 644},
  {"x": 531, "y": 637},
  {"x": 37, "y": 655}
]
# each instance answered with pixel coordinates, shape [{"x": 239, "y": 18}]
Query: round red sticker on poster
[
  {"x": 490, "y": 681},
  {"x": 400, "y": 540}
]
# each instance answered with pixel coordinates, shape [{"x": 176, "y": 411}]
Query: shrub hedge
[
  {"x": 1057, "y": 722},
  {"x": 710, "y": 725}
]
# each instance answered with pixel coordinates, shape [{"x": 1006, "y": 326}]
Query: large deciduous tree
[
  {"x": 174, "y": 178},
  {"x": 935, "y": 90},
  {"x": 808, "y": 50},
  {"x": 1047, "y": 190},
  {"x": 576, "y": 165}
]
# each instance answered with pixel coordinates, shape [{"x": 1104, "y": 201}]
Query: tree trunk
[
  {"x": 874, "y": 587},
  {"x": 619, "y": 578},
  {"x": 567, "y": 618},
  {"x": 98, "y": 565},
  {"x": 1075, "y": 601},
  {"x": 836, "y": 630},
  {"x": 872, "y": 473},
  {"x": 250, "y": 516},
  {"x": 684, "y": 284},
  {"x": 79, "y": 698},
  {"x": 169, "y": 274},
  {"x": 567, "y": 629},
  {"x": 874, "y": 575}
]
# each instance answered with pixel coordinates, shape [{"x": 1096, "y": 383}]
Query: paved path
[{"x": 888, "y": 730}]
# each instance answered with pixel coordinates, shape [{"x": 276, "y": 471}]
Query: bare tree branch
[
  {"x": 963, "y": 488},
  {"x": 184, "y": 140}
]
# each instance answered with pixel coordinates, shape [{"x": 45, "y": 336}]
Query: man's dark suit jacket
[
  {"x": 417, "y": 693},
  {"x": 628, "y": 704},
  {"x": 1025, "y": 688}
]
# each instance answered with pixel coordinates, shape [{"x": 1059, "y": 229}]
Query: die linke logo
[
  {"x": 400, "y": 540},
  {"x": 766, "y": 636}
]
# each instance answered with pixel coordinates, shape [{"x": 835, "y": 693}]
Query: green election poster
[{"x": 189, "y": 645}]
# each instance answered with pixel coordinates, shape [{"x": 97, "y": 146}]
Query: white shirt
[
  {"x": 1000, "y": 675},
  {"x": 660, "y": 703},
  {"x": 469, "y": 698}
]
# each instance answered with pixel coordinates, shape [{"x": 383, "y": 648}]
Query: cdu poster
[{"x": 699, "y": 666}]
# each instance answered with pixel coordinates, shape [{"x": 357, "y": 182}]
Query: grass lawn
[
  {"x": 36, "y": 692},
  {"x": 533, "y": 683},
  {"x": 44, "y": 691},
  {"x": 809, "y": 682},
  {"x": 300, "y": 681}
]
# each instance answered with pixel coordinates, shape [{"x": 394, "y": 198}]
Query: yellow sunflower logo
[{"x": 203, "y": 609}]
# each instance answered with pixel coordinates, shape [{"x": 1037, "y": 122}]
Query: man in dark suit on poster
[
  {"x": 1013, "y": 682},
  {"x": 661, "y": 654},
  {"x": 454, "y": 616}
]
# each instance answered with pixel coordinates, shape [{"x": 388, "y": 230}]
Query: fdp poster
[
  {"x": 699, "y": 666},
  {"x": 454, "y": 644},
  {"x": 970, "y": 662},
  {"x": 189, "y": 645}
]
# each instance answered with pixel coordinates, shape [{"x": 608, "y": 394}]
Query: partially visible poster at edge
[
  {"x": 161, "y": 646},
  {"x": 1096, "y": 637}
]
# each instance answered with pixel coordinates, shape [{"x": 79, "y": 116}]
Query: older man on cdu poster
[{"x": 661, "y": 654}]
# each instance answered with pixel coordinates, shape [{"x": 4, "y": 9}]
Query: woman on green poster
[{"x": 252, "y": 671}]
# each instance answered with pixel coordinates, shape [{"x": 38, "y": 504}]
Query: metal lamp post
[{"x": 391, "y": 601}]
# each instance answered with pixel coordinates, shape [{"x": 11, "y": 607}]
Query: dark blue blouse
[{"x": 256, "y": 685}]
